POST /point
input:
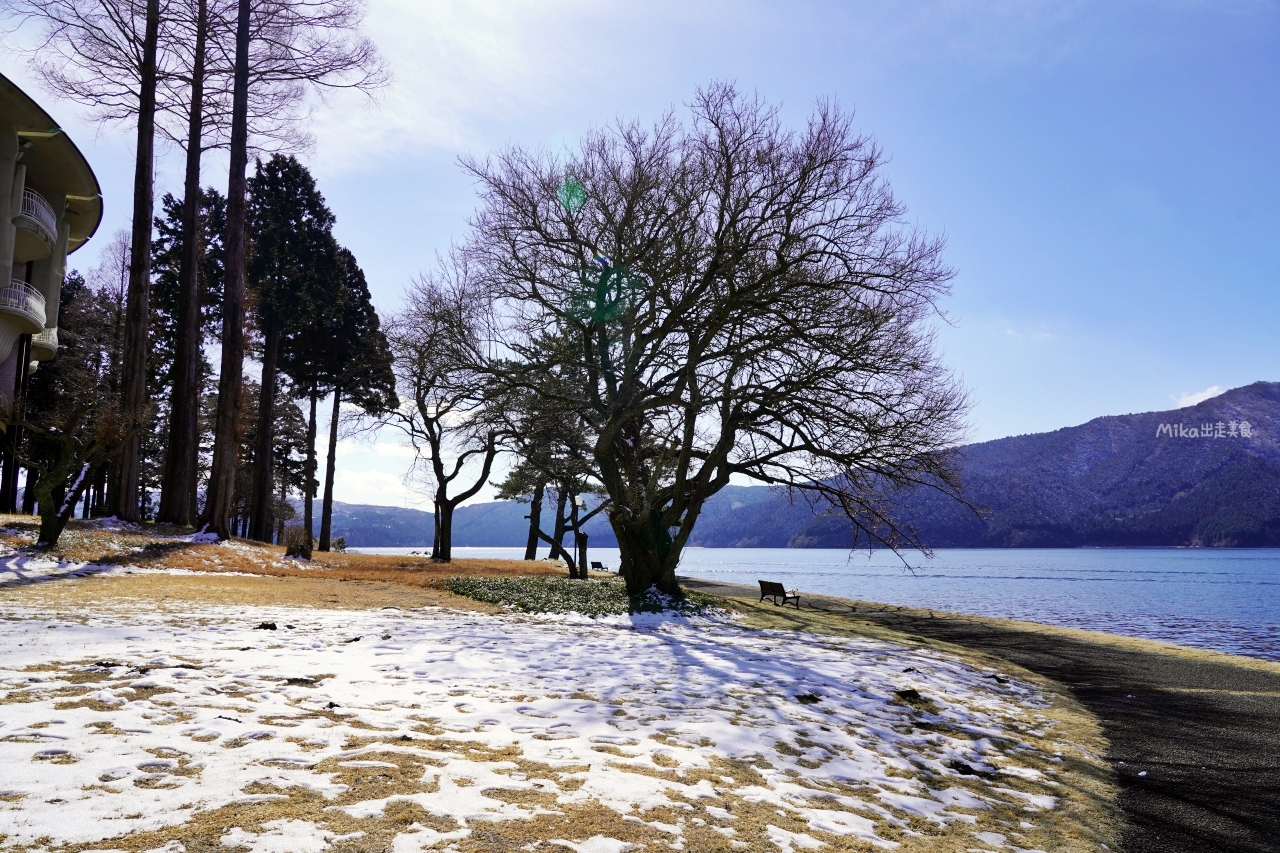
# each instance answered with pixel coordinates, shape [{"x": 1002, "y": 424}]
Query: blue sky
[{"x": 1105, "y": 172}]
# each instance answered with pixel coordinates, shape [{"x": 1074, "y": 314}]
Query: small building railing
[
  {"x": 41, "y": 214},
  {"x": 24, "y": 300},
  {"x": 46, "y": 343}
]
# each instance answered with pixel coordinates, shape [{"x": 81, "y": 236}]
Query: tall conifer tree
[{"x": 296, "y": 275}]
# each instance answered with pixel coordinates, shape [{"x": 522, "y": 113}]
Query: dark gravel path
[{"x": 1195, "y": 743}]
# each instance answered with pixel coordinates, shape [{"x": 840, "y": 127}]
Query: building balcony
[
  {"x": 37, "y": 228},
  {"x": 23, "y": 306},
  {"x": 44, "y": 346}
]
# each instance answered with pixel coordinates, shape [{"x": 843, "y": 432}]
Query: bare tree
[
  {"x": 554, "y": 449},
  {"x": 220, "y": 496},
  {"x": 741, "y": 301},
  {"x": 133, "y": 377},
  {"x": 447, "y": 412},
  {"x": 316, "y": 44},
  {"x": 94, "y": 52},
  {"x": 200, "y": 39},
  {"x": 178, "y": 484}
]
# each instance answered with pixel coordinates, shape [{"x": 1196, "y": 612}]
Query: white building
[{"x": 50, "y": 204}]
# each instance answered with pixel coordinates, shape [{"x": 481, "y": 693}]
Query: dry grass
[
  {"x": 243, "y": 572},
  {"x": 176, "y": 592}
]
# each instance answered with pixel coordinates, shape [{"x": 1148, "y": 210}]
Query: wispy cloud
[
  {"x": 469, "y": 73},
  {"x": 1028, "y": 333},
  {"x": 1190, "y": 399},
  {"x": 465, "y": 72}
]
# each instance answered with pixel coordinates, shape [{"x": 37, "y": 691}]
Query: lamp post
[{"x": 580, "y": 536}]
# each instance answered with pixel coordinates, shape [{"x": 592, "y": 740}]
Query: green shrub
[{"x": 562, "y": 595}]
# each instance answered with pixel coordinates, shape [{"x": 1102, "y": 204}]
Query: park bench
[
  {"x": 597, "y": 566},
  {"x": 769, "y": 589}
]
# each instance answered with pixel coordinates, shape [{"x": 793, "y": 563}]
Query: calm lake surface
[{"x": 1228, "y": 600}]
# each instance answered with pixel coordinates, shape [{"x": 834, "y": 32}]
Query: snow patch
[{"x": 629, "y": 710}]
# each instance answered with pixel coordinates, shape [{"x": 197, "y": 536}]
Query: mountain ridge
[{"x": 1116, "y": 480}]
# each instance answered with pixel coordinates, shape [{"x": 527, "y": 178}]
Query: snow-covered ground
[{"x": 451, "y": 730}]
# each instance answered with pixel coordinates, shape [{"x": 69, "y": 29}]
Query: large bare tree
[
  {"x": 742, "y": 301},
  {"x": 316, "y": 44},
  {"x": 447, "y": 411}
]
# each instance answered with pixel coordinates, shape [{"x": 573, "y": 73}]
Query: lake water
[{"x": 1223, "y": 599}]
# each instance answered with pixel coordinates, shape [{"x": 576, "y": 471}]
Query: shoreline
[
  {"x": 1194, "y": 735},
  {"x": 837, "y": 603}
]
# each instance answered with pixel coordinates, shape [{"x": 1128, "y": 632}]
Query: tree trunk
[
  {"x": 280, "y": 523},
  {"x": 260, "y": 517},
  {"x": 557, "y": 532},
  {"x": 57, "y": 501},
  {"x": 13, "y": 435},
  {"x": 29, "y": 494},
  {"x": 178, "y": 486},
  {"x": 445, "y": 533},
  {"x": 222, "y": 476},
  {"x": 535, "y": 522},
  {"x": 56, "y": 510},
  {"x": 138, "y": 310},
  {"x": 330, "y": 465},
  {"x": 99, "y": 494},
  {"x": 309, "y": 489},
  {"x": 435, "y": 529},
  {"x": 649, "y": 556}
]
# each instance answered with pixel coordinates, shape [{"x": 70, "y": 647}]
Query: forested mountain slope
[{"x": 1142, "y": 479}]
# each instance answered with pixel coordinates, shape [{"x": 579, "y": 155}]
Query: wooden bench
[
  {"x": 769, "y": 589},
  {"x": 597, "y": 566}
]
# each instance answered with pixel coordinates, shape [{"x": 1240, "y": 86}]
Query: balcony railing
[
  {"x": 25, "y": 303},
  {"x": 40, "y": 214},
  {"x": 44, "y": 346}
]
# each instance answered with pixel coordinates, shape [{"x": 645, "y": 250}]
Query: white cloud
[
  {"x": 467, "y": 73},
  {"x": 395, "y": 450},
  {"x": 1191, "y": 399},
  {"x": 380, "y": 448},
  {"x": 1029, "y": 333},
  {"x": 379, "y": 488},
  {"x": 459, "y": 68}
]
